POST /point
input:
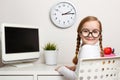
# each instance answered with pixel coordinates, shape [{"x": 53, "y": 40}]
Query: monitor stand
[{"x": 20, "y": 65}]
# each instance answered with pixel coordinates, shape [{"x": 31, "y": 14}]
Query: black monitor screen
[{"x": 19, "y": 40}]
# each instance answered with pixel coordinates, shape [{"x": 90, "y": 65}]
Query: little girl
[{"x": 89, "y": 32}]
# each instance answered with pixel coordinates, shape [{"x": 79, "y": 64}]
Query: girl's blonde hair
[{"x": 86, "y": 19}]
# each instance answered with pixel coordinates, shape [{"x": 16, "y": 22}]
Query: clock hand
[{"x": 67, "y": 13}]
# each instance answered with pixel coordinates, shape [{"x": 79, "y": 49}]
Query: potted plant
[{"x": 50, "y": 51}]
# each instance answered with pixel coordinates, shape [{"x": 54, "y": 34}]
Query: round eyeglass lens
[{"x": 95, "y": 33}]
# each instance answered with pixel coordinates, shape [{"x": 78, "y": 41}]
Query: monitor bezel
[{"x": 17, "y": 57}]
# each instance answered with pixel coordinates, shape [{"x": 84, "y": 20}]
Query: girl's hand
[{"x": 57, "y": 68}]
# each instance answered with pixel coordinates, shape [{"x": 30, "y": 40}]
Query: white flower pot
[{"x": 51, "y": 57}]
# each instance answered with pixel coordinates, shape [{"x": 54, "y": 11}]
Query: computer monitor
[{"x": 19, "y": 43}]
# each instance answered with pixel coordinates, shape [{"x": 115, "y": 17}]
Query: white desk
[{"x": 35, "y": 72}]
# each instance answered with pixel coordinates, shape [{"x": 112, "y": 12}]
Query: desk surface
[{"x": 40, "y": 69}]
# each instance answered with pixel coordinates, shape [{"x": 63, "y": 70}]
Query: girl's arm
[{"x": 67, "y": 72}]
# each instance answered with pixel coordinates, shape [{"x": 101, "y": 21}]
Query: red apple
[{"x": 107, "y": 50}]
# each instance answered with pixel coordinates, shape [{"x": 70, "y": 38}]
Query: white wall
[{"x": 36, "y": 12}]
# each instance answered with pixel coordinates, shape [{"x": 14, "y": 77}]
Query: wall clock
[{"x": 63, "y": 15}]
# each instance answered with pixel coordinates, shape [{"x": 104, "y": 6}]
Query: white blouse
[{"x": 86, "y": 51}]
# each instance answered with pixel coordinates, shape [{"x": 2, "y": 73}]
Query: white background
[{"x": 36, "y": 12}]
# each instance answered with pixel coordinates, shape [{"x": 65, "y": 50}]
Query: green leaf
[{"x": 50, "y": 46}]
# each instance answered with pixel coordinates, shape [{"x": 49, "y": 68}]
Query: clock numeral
[
  {"x": 59, "y": 21},
  {"x": 68, "y": 6},
  {"x": 68, "y": 21},
  {"x": 54, "y": 14},
  {"x": 56, "y": 18},
  {"x": 56, "y": 10},
  {"x": 59, "y": 6},
  {"x": 63, "y": 5},
  {"x": 63, "y": 22}
]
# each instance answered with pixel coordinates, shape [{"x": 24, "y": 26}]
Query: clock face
[{"x": 63, "y": 15}]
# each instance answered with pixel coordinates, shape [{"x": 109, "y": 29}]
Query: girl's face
[{"x": 90, "y": 32}]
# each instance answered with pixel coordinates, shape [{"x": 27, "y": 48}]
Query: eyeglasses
[{"x": 95, "y": 33}]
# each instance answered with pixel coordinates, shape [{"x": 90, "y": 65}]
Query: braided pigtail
[
  {"x": 75, "y": 59},
  {"x": 101, "y": 47}
]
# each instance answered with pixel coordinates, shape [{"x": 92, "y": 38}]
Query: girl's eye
[
  {"x": 85, "y": 30},
  {"x": 95, "y": 31}
]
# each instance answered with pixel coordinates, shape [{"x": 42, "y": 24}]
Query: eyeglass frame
[{"x": 91, "y": 33}]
